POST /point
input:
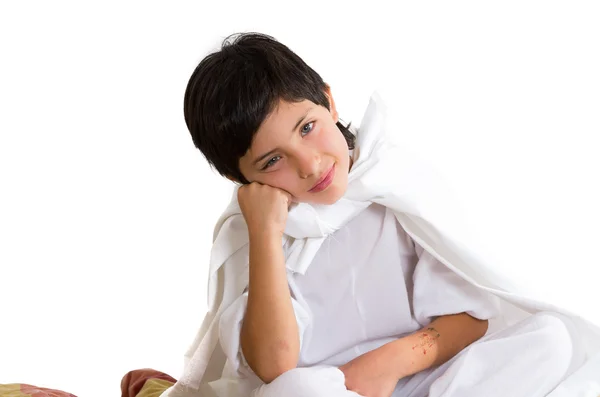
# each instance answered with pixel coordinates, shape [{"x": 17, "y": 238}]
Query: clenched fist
[{"x": 264, "y": 207}]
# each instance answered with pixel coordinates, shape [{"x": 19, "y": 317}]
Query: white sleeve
[
  {"x": 230, "y": 328},
  {"x": 439, "y": 291}
]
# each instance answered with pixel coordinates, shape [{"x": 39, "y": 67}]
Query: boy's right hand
[{"x": 265, "y": 208}]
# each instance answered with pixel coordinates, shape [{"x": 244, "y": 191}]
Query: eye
[
  {"x": 308, "y": 127},
  {"x": 271, "y": 162}
]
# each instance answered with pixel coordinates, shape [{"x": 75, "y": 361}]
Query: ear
[
  {"x": 232, "y": 179},
  {"x": 332, "y": 108}
]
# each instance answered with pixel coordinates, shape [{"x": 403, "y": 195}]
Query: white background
[{"x": 107, "y": 208}]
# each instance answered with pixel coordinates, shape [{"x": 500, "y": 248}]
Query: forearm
[
  {"x": 269, "y": 336},
  {"x": 435, "y": 344}
]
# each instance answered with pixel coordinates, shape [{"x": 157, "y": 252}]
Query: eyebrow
[{"x": 300, "y": 120}]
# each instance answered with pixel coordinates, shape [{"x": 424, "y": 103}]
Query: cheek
[
  {"x": 340, "y": 149},
  {"x": 333, "y": 142},
  {"x": 284, "y": 179}
]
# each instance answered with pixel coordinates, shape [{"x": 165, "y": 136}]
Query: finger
[
  {"x": 289, "y": 199},
  {"x": 287, "y": 194}
]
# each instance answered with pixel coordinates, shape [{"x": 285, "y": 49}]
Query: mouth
[{"x": 325, "y": 180}]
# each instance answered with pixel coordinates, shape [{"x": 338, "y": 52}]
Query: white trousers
[{"x": 527, "y": 359}]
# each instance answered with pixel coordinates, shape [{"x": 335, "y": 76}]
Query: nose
[{"x": 308, "y": 162}]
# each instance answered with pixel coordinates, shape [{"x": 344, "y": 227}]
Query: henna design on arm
[{"x": 427, "y": 339}]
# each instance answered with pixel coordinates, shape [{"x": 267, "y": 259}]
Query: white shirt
[{"x": 368, "y": 285}]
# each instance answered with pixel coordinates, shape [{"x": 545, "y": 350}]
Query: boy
[{"x": 335, "y": 295}]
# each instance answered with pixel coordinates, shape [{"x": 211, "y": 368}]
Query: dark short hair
[{"x": 232, "y": 91}]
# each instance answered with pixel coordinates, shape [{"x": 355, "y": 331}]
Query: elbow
[
  {"x": 270, "y": 355},
  {"x": 477, "y": 327},
  {"x": 273, "y": 362},
  {"x": 271, "y": 371},
  {"x": 481, "y": 327}
]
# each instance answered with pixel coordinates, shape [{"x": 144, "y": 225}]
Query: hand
[
  {"x": 264, "y": 207},
  {"x": 371, "y": 374}
]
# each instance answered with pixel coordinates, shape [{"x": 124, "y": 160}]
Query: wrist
[
  {"x": 264, "y": 235},
  {"x": 397, "y": 355}
]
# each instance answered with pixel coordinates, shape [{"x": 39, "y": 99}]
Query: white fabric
[
  {"x": 383, "y": 174},
  {"x": 384, "y": 288},
  {"x": 526, "y": 360},
  {"x": 350, "y": 302}
]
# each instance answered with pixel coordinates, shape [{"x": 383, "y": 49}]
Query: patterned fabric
[
  {"x": 138, "y": 383},
  {"x": 24, "y": 390},
  {"x": 145, "y": 383}
]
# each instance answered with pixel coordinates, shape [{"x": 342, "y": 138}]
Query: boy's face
[{"x": 296, "y": 147}]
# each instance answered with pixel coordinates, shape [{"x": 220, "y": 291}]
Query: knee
[
  {"x": 555, "y": 330},
  {"x": 556, "y": 337}
]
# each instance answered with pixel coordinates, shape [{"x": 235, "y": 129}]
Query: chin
[{"x": 331, "y": 195}]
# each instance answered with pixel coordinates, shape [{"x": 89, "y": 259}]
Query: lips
[{"x": 324, "y": 181}]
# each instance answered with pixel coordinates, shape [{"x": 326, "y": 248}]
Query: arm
[
  {"x": 378, "y": 371},
  {"x": 269, "y": 335},
  {"x": 435, "y": 344},
  {"x": 269, "y": 338},
  {"x": 438, "y": 292}
]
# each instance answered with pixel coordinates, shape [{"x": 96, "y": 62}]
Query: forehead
[{"x": 287, "y": 113}]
